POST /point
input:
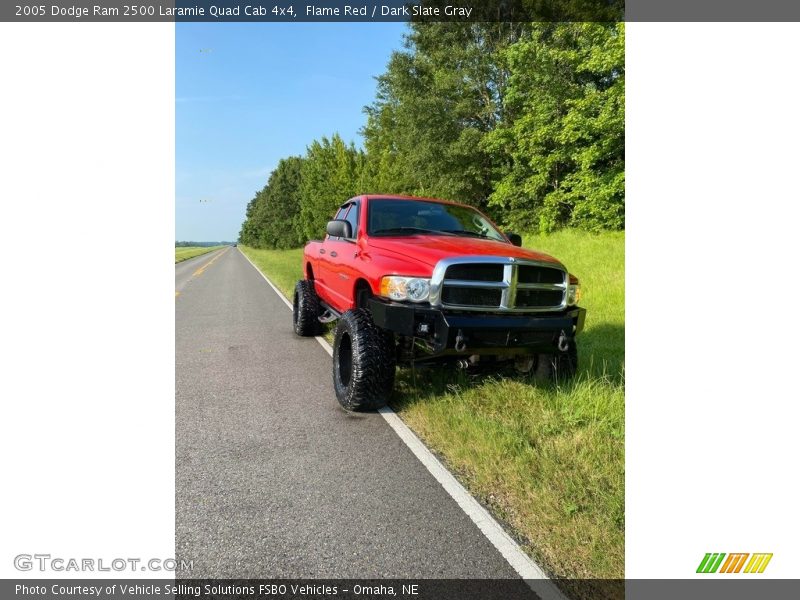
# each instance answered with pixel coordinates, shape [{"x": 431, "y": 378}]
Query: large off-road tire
[
  {"x": 306, "y": 309},
  {"x": 363, "y": 362},
  {"x": 555, "y": 367}
]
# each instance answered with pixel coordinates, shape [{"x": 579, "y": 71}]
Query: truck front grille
[
  {"x": 471, "y": 296},
  {"x": 499, "y": 284},
  {"x": 537, "y": 274},
  {"x": 473, "y": 272},
  {"x": 537, "y": 298}
]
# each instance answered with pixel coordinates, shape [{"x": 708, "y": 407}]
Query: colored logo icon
[{"x": 734, "y": 563}]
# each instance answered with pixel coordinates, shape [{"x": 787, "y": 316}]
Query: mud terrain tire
[
  {"x": 306, "y": 309},
  {"x": 363, "y": 362}
]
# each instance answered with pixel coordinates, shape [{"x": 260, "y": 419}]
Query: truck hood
[{"x": 430, "y": 249}]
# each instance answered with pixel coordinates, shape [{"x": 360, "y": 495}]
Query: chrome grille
[
  {"x": 534, "y": 298},
  {"x": 475, "y": 272},
  {"x": 499, "y": 284},
  {"x": 471, "y": 296},
  {"x": 539, "y": 274}
]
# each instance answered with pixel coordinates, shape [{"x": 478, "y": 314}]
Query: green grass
[
  {"x": 187, "y": 252},
  {"x": 283, "y": 267},
  {"x": 547, "y": 460}
]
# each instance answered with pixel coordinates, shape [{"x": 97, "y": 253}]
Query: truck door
[
  {"x": 339, "y": 259},
  {"x": 323, "y": 271}
]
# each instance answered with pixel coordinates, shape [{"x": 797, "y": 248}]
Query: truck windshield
[{"x": 414, "y": 217}]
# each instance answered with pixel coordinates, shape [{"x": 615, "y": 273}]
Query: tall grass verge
[{"x": 187, "y": 252}]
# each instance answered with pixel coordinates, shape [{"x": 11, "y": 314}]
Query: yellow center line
[
  {"x": 209, "y": 263},
  {"x": 203, "y": 268}
]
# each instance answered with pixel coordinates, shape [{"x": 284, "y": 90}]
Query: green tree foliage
[
  {"x": 525, "y": 120},
  {"x": 565, "y": 142},
  {"x": 436, "y": 102},
  {"x": 272, "y": 215},
  {"x": 332, "y": 173}
]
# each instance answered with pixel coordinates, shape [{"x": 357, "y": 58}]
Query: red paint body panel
[{"x": 339, "y": 266}]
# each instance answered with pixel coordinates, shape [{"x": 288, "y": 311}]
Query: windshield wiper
[
  {"x": 469, "y": 233},
  {"x": 410, "y": 230}
]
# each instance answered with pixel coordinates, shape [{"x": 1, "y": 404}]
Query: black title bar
[{"x": 288, "y": 11}]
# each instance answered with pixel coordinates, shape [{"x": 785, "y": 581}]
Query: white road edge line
[{"x": 494, "y": 532}]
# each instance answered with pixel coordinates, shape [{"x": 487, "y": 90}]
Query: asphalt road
[{"x": 273, "y": 479}]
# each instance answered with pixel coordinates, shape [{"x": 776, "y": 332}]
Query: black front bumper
[{"x": 480, "y": 333}]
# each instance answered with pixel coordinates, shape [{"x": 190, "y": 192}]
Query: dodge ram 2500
[{"x": 419, "y": 280}]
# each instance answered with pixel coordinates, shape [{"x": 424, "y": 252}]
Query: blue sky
[{"x": 249, "y": 94}]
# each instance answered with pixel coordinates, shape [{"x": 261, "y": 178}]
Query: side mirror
[
  {"x": 514, "y": 238},
  {"x": 339, "y": 228}
]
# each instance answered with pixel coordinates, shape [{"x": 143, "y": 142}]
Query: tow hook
[
  {"x": 563, "y": 342},
  {"x": 461, "y": 341}
]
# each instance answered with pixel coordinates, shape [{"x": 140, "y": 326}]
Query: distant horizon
[
  {"x": 247, "y": 95},
  {"x": 206, "y": 242}
]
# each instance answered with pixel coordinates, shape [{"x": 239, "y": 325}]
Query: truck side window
[{"x": 352, "y": 218}]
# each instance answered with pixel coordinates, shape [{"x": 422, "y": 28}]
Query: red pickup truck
[{"x": 420, "y": 280}]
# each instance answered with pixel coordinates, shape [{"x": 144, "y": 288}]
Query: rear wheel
[
  {"x": 306, "y": 309},
  {"x": 560, "y": 366},
  {"x": 363, "y": 362}
]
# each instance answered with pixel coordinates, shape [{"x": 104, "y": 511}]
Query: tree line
[
  {"x": 200, "y": 244},
  {"x": 523, "y": 120}
]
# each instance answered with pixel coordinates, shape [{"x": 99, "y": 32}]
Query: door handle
[
  {"x": 333, "y": 254},
  {"x": 322, "y": 250}
]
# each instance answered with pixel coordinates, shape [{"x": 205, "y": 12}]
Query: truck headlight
[
  {"x": 415, "y": 289},
  {"x": 573, "y": 294}
]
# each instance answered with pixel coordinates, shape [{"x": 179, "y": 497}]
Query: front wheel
[{"x": 363, "y": 362}]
